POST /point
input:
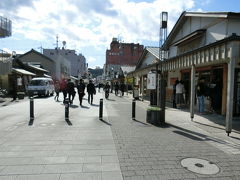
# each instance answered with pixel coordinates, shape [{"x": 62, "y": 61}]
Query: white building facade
[
  {"x": 62, "y": 65},
  {"x": 77, "y": 62}
]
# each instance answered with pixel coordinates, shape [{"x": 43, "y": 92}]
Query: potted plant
[{"x": 155, "y": 116}]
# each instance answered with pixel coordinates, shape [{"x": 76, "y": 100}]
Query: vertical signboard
[{"x": 151, "y": 80}]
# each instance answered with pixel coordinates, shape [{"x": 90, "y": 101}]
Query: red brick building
[{"x": 123, "y": 53}]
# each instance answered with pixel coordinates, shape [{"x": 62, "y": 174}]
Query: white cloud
[
  {"x": 92, "y": 23},
  {"x": 85, "y": 24},
  {"x": 91, "y": 59}
]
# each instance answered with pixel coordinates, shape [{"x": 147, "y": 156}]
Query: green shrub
[{"x": 154, "y": 108}]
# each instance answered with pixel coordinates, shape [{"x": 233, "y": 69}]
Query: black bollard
[
  {"x": 101, "y": 109},
  {"x": 133, "y": 109},
  {"x": 31, "y": 109},
  {"x": 66, "y": 103}
]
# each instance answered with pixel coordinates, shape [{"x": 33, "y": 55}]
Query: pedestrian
[
  {"x": 107, "y": 89},
  {"x": 179, "y": 94},
  {"x": 99, "y": 87},
  {"x": 81, "y": 89},
  {"x": 174, "y": 94},
  {"x": 91, "y": 91},
  {"x": 122, "y": 88},
  {"x": 71, "y": 91},
  {"x": 201, "y": 90},
  {"x": 116, "y": 88},
  {"x": 14, "y": 88},
  {"x": 63, "y": 88},
  {"x": 57, "y": 90}
]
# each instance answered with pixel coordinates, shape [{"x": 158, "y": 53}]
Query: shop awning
[
  {"x": 22, "y": 71},
  {"x": 45, "y": 75},
  {"x": 38, "y": 68}
]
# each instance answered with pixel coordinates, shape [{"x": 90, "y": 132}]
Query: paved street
[
  {"x": 50, "y": 148},
  {"x": 115, "y": 148}
]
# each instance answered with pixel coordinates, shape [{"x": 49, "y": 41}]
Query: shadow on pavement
[
  {"x": 73, "y": 106},
  {"x": 111, "y": 99},
  {"x": 192, "y": 135},
  {"x": 69, "y": 122},
  {"x": 96, "y": 105},
  {"x": 140, "y": 122},
  {"x": 31, "y": 122},
  {"x": 188, "y": 135},
  {"x": 86, "y": 107},
  {"x": 105, "y": 122}
]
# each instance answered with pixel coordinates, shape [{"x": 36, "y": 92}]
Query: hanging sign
[{"x": 151, "y": 80}]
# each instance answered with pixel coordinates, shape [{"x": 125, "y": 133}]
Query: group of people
[
  {"x": 211, "y": 91},
  {"x": 120, "y": 87},
  {"x": 67, "y": 87}
]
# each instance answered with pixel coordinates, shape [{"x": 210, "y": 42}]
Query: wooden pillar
[
  {"x": 224, "y": 90},
  {"x": 192, "y": 94},
  {"x": 230, "y": 91}
]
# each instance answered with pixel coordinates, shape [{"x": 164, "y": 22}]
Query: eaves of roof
[
  {"x": 36, "y": 52},
  {"x": 152, "y": 50},
  {"x": 185, "y": 14},
  {"x": 230, "y": 38},
  {"x": 146, "y": 67}
]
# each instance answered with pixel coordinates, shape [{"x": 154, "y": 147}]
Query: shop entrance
[{"x": 236, "y": 99}]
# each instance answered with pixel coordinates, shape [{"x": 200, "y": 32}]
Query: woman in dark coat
[
  {"x": 91, "y": 90},
  {"x": 81, "y": 89}
]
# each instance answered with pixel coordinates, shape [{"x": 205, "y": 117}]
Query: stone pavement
[
  {"x": 51, "y": 149},
  {"x": 115, "y": 148},
  {"x": 149, "y": 152}
]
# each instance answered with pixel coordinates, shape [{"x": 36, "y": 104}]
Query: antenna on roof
[
  {"x": 41, "y": 49},
  {"x": 57, "y": 41},
  {"x": 64, "y": 45}
]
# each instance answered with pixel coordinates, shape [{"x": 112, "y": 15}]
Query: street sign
[{"x": 151, "y": 80}]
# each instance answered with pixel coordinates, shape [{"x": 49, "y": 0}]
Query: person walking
[
  {"x": 14, "y": 88},
  {"x": 70, "y": 90},
  {"x": 179, "y": 94},
  {"x": 200, "y": 95},
  {"x": 81, "y": 89},
  {"x": 57, "y": 90},
  {"x": 116, "y": 88},
  {"x": 107, "y": 89},
  {"x": 63, "y": 88},
  {"x": 174, "y": 94},
  {"x": 91, "y": 90},
  {"x": 122, "y": 88}
]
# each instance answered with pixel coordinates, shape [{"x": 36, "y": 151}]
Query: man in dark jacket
[
  {"x": 91, "y": 90},
  {"x": 70, "y": 90},
  {"x": 122, "y": 88},
  {"x": 81, "y": 89},
  {"x": 201, "y": 91}
]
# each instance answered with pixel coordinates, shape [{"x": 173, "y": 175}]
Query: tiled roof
[{"x": 154, "y": 51}]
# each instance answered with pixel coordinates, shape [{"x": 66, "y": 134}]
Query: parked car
[{"x": 41, "y": 86}]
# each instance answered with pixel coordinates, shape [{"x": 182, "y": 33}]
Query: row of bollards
[{"x": 66, "y": 104}]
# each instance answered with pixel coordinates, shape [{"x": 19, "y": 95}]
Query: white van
[{"x": 41, "y": 86}]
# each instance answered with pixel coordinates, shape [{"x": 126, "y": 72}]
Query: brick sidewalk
[{"x": 149, "y": 152}]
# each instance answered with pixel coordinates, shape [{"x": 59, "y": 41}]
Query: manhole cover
[{"x": 200, "y": 166}]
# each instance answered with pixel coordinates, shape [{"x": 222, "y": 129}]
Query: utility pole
[{"x": 161, "y": 85}]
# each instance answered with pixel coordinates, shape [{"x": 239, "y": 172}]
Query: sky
[{"x": 88, "y": 26}]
